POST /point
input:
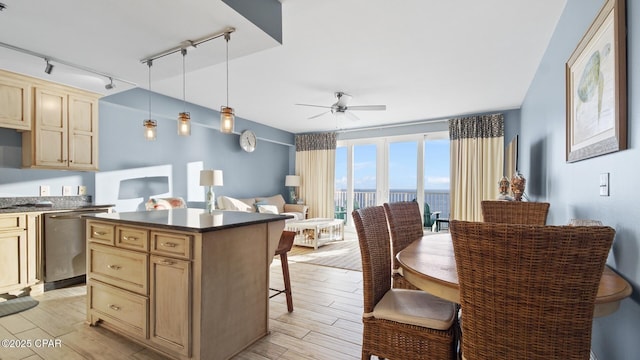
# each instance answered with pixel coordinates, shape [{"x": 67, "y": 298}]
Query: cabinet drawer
[
  {"x": 121, "y": 308},
  {"x": 132, "y": 238},
  {"x": 100, "y": 232},
  {"x": 13, "y": 222},
  {"x": 123, "y": 268},
  {"x": 176, "y": 245}
]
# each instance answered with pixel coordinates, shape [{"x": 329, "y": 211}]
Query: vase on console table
[{"x": 517, "y": 186}]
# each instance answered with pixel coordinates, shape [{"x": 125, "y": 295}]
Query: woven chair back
[
  {"x": 373, "y": 237},
  {"x": 528, "y": 292},
  {"x": 514, "y": 212},
  {"x": 405, "y": 226}
]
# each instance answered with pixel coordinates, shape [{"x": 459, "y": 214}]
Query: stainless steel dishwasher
[{"x": 65, "y": 246}]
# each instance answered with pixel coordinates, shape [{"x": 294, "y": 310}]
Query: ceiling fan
[{"x": 341, "y": 106}]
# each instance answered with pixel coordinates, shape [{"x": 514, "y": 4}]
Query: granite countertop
[
  {"x": 48, "y": 204},
  {"x": 193, "y": 220}
]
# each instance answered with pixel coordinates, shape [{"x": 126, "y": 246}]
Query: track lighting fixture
[
  {"x": 227, "y": 116},
  {"x": 110, "y": 85},
  {"x": 49, "y": 66},
  {"x": 150, "y": 125},
  {"x": 184, "y": 118}
]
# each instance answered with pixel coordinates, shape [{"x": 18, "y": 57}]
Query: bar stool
[{"x": 285, "y": 244}]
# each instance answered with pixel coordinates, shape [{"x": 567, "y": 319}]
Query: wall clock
[{"x": 248, "y": 141}]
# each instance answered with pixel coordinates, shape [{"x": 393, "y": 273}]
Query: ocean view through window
[{"x": 371, "y": 172}]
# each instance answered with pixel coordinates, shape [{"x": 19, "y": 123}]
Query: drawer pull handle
[
  {"x": 130, "y": 238},
  {"x": 114, "y": 267},
  {"x": 169, "y": 244},
  {"x": 99, "y": 233},
  {"x": 114, "y": 307},
  {"x": 166, "y": 262}
]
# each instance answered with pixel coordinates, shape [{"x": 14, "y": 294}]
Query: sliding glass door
[{"x": 374, "y": 171}]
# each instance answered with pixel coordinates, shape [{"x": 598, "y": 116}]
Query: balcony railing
[{"x": 438, "y": 200}]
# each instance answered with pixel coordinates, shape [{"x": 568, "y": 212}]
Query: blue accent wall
[
  {"x": 133, "y": 169},
  {"x": 573, "y": 188}
]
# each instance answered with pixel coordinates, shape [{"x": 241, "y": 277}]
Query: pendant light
[
  {"x": 184, "y": 118},
  {"x": 227, "y": 116},
  {"x": 149, "y": 124}
]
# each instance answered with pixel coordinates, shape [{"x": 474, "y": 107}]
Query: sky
[{"x": 402, "y": 167}]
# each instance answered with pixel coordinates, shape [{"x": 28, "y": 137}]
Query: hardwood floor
[{"x": 325, "y": 324}]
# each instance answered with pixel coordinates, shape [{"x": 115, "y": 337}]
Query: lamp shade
[
  {"x": 292, "y": 180},
  {"x": 206, "y": 178},
  {"x": 217, "y": 178}
]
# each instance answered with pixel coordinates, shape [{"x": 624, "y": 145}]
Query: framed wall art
[{"x": 596, "y": 75}]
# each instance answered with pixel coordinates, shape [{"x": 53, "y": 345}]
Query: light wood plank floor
[{"x": 325, "y": 324}]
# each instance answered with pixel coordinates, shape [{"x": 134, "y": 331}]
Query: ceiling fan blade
[
  {"x": 316, "y": 116},
  {"x": 351, "y": 116},
  {"x": 320, "y": 106},
  {"x": 367, "y": 107}
]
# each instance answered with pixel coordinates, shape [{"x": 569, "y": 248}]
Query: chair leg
[{"x": 287, "y": 280}]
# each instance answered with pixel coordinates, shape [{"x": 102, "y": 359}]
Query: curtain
[
  {"x": 316, "y": 164},
  {"x": 477, "y": 158}
]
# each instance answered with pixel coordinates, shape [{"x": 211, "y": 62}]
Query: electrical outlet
[
  {"x": 44, "y": 190},
  {"x": 66, "y": 190},
  {"x": 82, "y": 190}
]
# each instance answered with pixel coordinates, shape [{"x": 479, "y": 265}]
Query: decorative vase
[
  {"x": 517, "y": 186},
  {"x": 504, "y": 189}
]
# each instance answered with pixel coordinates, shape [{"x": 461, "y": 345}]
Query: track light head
[
  {"x": 110, "y": 85},
  {"x": 2, "y": 6},
  {"x": 49, "y": 67}
]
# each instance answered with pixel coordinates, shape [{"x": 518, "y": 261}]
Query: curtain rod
[
  {"x": 66, "y": 63},
  {"x": 393, "y": 125},
  {"x": 187, "y": 44}
]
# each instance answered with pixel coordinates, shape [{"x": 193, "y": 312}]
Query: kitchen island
[{"x": 185, "y": 282}]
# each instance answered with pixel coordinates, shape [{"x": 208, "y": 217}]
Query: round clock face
[{"x": 248, "y": 141}]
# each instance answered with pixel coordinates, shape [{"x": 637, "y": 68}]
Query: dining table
[{"x": 429, "y": 263}]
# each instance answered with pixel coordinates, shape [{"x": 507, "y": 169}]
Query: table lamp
[
  {"x": 210, "y": 178},
  {"x": 292, "y": 181}
]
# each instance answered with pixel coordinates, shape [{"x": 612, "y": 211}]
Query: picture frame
[{"x": 596, "y": 88}]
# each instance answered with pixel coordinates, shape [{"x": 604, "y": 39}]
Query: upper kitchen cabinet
[
  {"x": 15, "y": 101},
  {"x": 64, "y": 133}
]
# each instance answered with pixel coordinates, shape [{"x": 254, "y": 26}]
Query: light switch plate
[
  {"x": 66, "y": 190},
  {"x": 82, "y": 190},
  {"x": 604, "y": 184},
  {"x": 44, "y": 190}
]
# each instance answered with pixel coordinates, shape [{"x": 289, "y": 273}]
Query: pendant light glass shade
[
  {"x": 227, "y": 118},
  {"x": 150, "y": 125},
  {"x": 184, "y": 124},
  {"x": 227, "y": 115},
  {"x": 184, "y": 118},
  {"x": 150, "y": 129}
]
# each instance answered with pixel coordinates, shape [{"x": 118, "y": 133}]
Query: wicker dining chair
[
  {"x": 398, "y": 323},
  {"x": 528, "y": 291},
  {"x": 514, "y": 212},
  {"x": 405, "y": 225}
]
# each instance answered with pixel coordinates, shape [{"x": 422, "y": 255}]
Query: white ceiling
[{"x": 424, "y": 59}]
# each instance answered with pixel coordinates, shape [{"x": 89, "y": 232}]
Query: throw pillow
[{"x": 268, "y": 209}]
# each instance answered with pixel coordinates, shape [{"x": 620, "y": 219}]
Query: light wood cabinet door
[
  {"x": 170, "y": 304},
  {"x": 50, "y": 126},
  {"x": 15, "y": 102},
  {"x": 83, "y": 132},
  {"x": 13, "y": 260}
]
